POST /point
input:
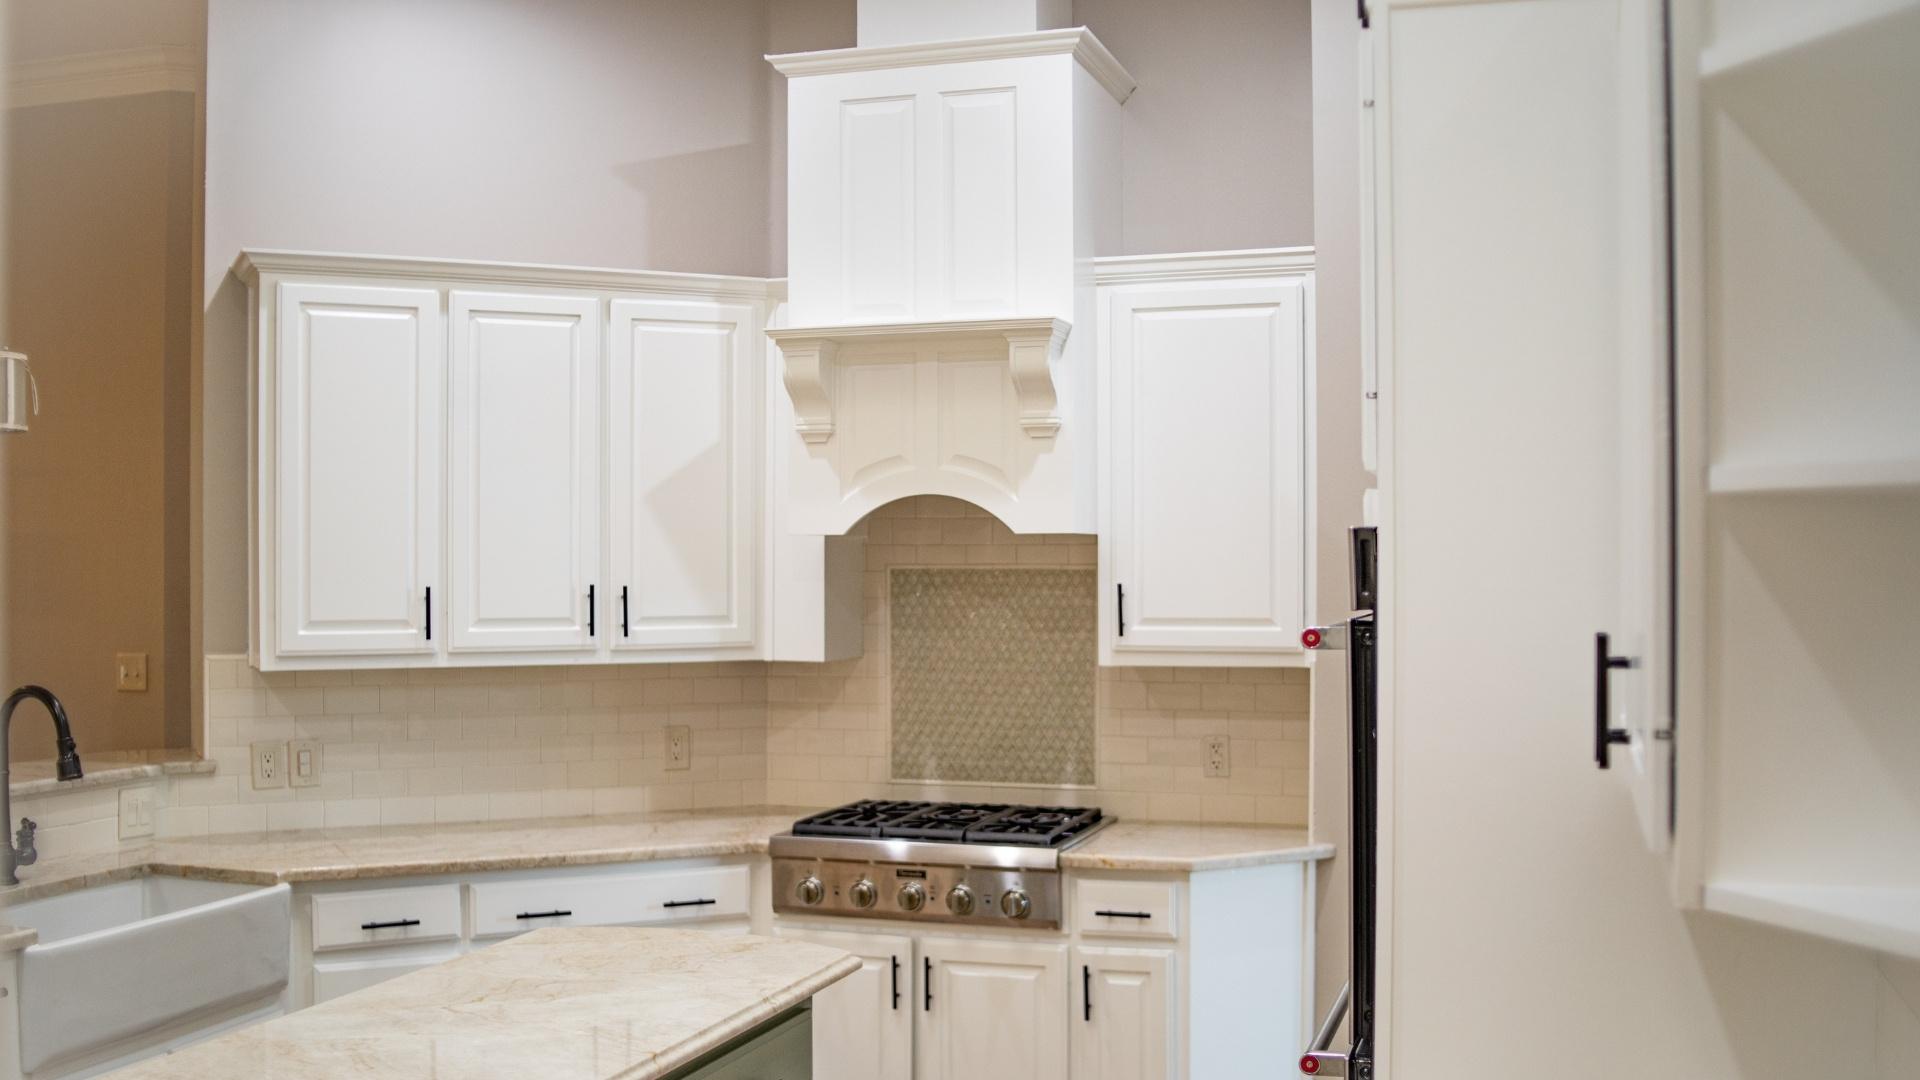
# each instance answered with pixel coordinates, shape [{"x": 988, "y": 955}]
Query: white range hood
[{"x": 945, "y": 201}]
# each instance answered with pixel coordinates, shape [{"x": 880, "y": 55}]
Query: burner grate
[
  {"x": 864, "y": 818},
  {"x": 985, "y": 823},
  {"x": 943, "y": 821},
  {"x": 1040, "y": 826}
]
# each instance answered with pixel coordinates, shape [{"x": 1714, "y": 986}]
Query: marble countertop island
[{"x": 561, "y": 1004}]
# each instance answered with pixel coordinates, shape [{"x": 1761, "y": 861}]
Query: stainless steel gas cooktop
[{"x": 974, "y": 863}]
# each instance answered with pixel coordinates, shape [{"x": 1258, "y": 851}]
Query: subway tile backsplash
[{"x": 413, "y": 747}]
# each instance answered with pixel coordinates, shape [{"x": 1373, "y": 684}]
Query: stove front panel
[{"x": 986, "y": 888}]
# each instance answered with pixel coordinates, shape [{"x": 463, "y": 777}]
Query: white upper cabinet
[
  {"x": 943, "y": 203},
  {"x": 524, "y": 470},
  {"x": 476, "y": 464},
  {"x": 351, "y": 508},
  {"x": 1206, "y": 497},
  {"x": 684, "y": 395}
]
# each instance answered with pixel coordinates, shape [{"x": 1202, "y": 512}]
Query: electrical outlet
[
  {"x": 130, "y": 671},
  {"x": 136, "y": 812},
  {"x": 679, "y": 747},
  {"x": 269, "y": 764},
  {"x": 303, "y": 763},
  {"x": 1219, "y": 756}
]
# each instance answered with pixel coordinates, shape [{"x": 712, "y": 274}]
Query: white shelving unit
[{"x": 1797, "y": 198}]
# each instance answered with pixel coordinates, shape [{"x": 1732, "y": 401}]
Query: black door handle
[
  {"x": 926, "y": 984},
  {"x": 896, "y": 983},
  {"x": 624, "y": 632},
  {"x": 1605, "y": 737},
  {"x": 389, "y": 925},
  {"x": 1086, "y": 992},
  {"x": 688, "y": 903},
  {"x": 590, "y": 609},
  {"x": 1120, "y": 606},
  {"x": 429, "y": 613},
  {"x": 555, "y": 914}
]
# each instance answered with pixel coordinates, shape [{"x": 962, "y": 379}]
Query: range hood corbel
[{"x": 812, "y": 356}]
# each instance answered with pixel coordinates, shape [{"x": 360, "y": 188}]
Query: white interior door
[
  {"x": 684, "y": 422},
  {"x": 863, "y": 1024},
  {"x": 1208, "y": 410},
  {"x": 525, "y": 489},
  {"x": 991, "y": 1009},
  {"x": 1124, "y": 1014},
  {"x": 360, "y": 373}
]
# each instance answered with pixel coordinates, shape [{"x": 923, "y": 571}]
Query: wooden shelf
[
  {"x": 1810, "y": 24},
  {"x": 1815, "y": 477},
  {"x": 1883, "y": 919}
]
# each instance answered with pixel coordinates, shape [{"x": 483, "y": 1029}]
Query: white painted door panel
[
  {"x": 863, "y": 1024},
  {"x": 1208, "y": 410},
  {"x": 684, "y": 398},
  {"x": 995, "y": 1010},
  {"x": 1124, "y": 1014},
  {"x": 525, "y": 492},
  {"x": 359, "y": 383}
]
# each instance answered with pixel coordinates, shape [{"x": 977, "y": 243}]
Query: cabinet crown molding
[
  {"x": 251, "y": 263},
  {"x": 1202, "y": 265},
  {"x": 1077, "y": 40},
  {"x": 94, "y": 75},
  {"x": 810, "y": 353}
]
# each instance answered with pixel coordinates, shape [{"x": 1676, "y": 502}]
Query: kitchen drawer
[
  {"x": 713, "y": 892},
  {"x": 509, "y": 907},
  {"x": 332, "y": 979},
  {"x": 385, "y": 916},
  {"x": 1136, "y": 909}
]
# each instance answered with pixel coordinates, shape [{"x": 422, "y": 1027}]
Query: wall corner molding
[{"x": 93, "y": 76}]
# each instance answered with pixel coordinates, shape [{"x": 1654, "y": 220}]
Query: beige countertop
[
  {"x": 399, "y": 850},
  {"x": 104, "y": 769},
  {"x": 15, "y": 938},
  {"x": 563, "y": 1004}
]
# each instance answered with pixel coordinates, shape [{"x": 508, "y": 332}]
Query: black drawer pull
[
  {"x": 1124, "y": 914},
  {"x": 554, "y": 914},
  {"x": 389, "y": 925},
  {"x": 689, "y": 903}
]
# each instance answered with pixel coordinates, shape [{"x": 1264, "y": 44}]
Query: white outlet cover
[
  {"x": 303, "y": 763},
  {"x": 679, "y": 747},
  {"x": 136, "y": 812},
  {"x": 1219, "y": 756},
  {"x": 130, "y": 671},
  {"x": 269, "y": 765}
]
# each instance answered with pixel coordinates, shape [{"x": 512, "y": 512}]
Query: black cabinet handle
[
  {"x": 590, "y": 606},
  {"x": 1124, "y": 914},
  {"x": 1120, "y": 605},
  {"x": 1365, "y": 22},
  {"x": 429, "y": 613},
  {"x": 1086, "y": 992},
  {"x": 555, "y": 914},
  {"x": 623, "y": 612},
  {"x": 926, "y": 984},
  {"x": 1604, "y": 737},
  {"x": 896, "y": 983},
  {"x": 688, "y": 903},
  {"x": 389, "y": 925}
]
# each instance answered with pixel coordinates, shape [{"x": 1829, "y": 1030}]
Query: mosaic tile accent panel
[{"x": 993, "y": 674}]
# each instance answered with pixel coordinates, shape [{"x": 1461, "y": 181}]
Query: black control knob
[
  {"x": 863, "y": 893},
  {"x": 960, "y": 900},
  {"x": 913, "y": 896},
  {"x": 1015, "y": 904},
  {"x": 811, "y": 891}
]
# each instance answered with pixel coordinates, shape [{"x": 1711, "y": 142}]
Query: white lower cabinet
[
  {"x": 1124, "y": 1009},
  {"x": 991, "y": 1008},
  {"x": 863, "y": 1024}
]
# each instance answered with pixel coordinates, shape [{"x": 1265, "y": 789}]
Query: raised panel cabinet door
[
  {"x": 863, "y": 1024},
  {"x": 1208, "y": 406},
  {"x": 684, "y": 422},
  {"x": 359, "y": 378},
  {"x": 1123, "y": 1014},
  {"x": 991, "y": 1009},
  {"x": 524, "y": 472}
]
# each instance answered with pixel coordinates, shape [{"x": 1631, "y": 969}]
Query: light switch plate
[
  {"x": 269, "y": 764},
  {"x": 130, "y": 671},
  {"x": 1219, "y": 761},
  {"x": 303, "y": 763},
  {"x": 136, "y": 812},
  {"x": 679, "y": 747}
]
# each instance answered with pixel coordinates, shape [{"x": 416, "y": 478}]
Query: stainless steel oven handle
[{"x": 1318, "y": 1060}]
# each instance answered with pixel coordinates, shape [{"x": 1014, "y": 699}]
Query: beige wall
[{"x": 99, "y": 219}]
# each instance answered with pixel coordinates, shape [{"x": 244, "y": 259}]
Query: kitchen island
[{"x": 588, "y": 1003}]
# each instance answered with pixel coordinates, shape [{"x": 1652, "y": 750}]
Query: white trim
[
  {"x": 90, "y": 76},
  {"x": 1077, "y": 40},
  {"x": 252, "y": 263},
  {"x": 1199, "y": 265}
]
